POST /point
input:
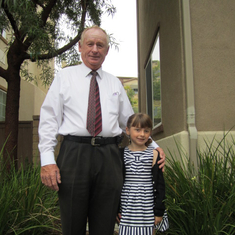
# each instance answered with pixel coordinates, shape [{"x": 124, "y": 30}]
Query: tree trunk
[
  {"x": 11, "y": 120},
  {"x": 12, "y": 105}
]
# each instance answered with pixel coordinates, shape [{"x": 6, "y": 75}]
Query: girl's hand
[
  {"x": 157, "y": 220},
  {"x": 162, "y": 161},
  {"x": 118, "y": 217}
]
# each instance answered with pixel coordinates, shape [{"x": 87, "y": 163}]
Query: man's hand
[
  {"x": 50, "y": 176},
  {"x": 162, "y": 161}
]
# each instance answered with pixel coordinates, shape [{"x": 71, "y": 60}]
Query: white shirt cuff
[{"x": 47, "y": 158}]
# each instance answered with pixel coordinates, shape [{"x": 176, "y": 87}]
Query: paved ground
[
  {"x": 115, "y": 230},
  {"x": 115, "y": 233}
]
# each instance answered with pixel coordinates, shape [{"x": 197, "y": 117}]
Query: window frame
[
  {"x": 3, "y": 105},
  {"x": 158, "y": 127}
]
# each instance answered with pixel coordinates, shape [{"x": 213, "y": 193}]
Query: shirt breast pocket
[{"x": 113, "y": 103}]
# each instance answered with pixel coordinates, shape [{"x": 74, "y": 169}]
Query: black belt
[{"x": 94, "y": 141}]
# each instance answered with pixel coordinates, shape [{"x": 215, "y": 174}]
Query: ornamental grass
[
  {"x": 26, "y": 205},
  {"x": 202, "y": 201}
]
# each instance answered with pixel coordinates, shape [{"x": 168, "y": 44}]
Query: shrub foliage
[
  {"x": 27, "y": 206},
  {"x": 202, "y": 201},
  {"x": 199, "y": 201}
]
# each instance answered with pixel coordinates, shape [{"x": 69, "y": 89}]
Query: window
[
  {"x": 3, "y": 96},
  {"x": 153, "y": 80},
  {"x": 3, "y": 33}
]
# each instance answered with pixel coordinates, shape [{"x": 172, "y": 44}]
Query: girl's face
[{"x": 139, "y": 136}]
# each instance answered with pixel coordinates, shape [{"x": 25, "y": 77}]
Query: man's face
[{"x": 94, "y": 48}]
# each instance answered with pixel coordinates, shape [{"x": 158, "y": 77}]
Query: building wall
[
  {"x": 205, "y": 32},
  {"x": 31, "y": 99},
  {"x": 213, "y": 42},
  {"x": 165, "y": 17}
]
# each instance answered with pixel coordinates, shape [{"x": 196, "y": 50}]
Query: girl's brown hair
[{"x": 140, "y": 120}]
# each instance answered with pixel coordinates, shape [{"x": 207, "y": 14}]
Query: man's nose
[{"x": 94, "y": 48}]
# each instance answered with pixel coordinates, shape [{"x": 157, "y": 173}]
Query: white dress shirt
[{"x": 64, "y": 110}]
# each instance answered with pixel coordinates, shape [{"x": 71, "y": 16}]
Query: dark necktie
[{"x": 94, "y": 117}]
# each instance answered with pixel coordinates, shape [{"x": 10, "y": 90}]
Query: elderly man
[{"x": 88, "y": 172}]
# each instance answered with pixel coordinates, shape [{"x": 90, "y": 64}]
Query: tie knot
[{"x": 94, "y": 73}]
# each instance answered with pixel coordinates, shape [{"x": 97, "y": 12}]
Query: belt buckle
[{"x": 93, "y": 142}]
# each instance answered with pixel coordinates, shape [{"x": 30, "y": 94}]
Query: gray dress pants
[{"x": 92, "y": 179}]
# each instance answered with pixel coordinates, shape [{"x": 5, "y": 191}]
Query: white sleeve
[
  {"x": 154, "y": 144},
  {"x": 50, "y": 121},
  {"x": 125, "y": 109}
]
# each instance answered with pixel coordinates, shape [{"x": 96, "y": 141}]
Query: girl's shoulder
[{"x": 156, "y": 156}]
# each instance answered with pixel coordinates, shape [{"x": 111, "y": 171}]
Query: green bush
[
  {"x": 27, "y": 206},
  {"x": 199, "y": 201},
  {"x": 202, "y": 201}
]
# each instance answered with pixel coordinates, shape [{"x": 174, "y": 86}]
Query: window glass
[
  {"x": 3, "y": 33},
  {"x": 153, "y": 79},
  {"x": 3, "y": 95}
]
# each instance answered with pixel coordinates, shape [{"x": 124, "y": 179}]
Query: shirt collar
[{"x": 87, "y": 70}]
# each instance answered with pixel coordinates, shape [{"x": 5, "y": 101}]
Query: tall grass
[
  {"x": 27, "y": 206},
  {"x": 202, "y": 202},
  {"x": 199, "y": 201}
]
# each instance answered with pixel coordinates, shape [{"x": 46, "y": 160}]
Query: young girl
[{"x": 142, "y": 204}]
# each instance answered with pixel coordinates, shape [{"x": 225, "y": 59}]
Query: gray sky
[{"x": 123, "y": 27}]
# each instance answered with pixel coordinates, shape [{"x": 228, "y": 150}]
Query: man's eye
[{"x": 100, "y": 46}]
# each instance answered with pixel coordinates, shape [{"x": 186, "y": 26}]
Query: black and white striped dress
[{"x": 137, "y": 198}]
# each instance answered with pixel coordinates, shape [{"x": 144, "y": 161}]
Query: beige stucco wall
[
  {"x": 211, "y": 35},
  {"x": 32, "y": 94},
  {"x": 34, "y": 69},
  {"x": 165, "y": 16},
  {"x": 213, "y": 42},
  {"x": 178, "y": 144},
  {"x": 3, "y": 59},
  {"x": 31, "y": 99}
]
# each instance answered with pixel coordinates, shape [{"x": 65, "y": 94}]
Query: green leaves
[
  {"x": 27, "y": 206},
  {"x": 44, "y": 26},
  {"x": 202, "y": 202}
]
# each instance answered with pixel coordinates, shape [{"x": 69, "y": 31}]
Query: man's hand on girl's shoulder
[{"x": 161, "y": 162}]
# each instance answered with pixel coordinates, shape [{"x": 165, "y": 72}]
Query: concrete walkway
[{"x": 116, "y": 229}]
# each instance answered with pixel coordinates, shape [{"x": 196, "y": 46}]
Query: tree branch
[
  {"x": 57, "y": 52},
  {"x": 47, "y": 10},
  {"x": 38, "y": 3},
  {"x": 11, "y": 19},
  {"x": 67, "y": 46},
  {"x": 45, "y": 15}
]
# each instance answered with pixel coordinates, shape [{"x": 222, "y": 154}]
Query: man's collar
[
  {"x": 88, "y": 70},
  {"x": 100, "y": 72}
]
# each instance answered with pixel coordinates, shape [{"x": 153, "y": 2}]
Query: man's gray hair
[{"x": 94, "y": 27}]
